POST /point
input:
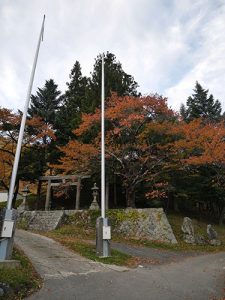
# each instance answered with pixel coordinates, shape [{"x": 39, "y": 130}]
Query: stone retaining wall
[{"x": 151, "y": 223}]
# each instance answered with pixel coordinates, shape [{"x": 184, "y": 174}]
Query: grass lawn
[
  {"x": 22, "y": 280},
  {"x": 84, "y": 247}
]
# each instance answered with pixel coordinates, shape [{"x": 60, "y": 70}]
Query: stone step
[{"x": 45, "y": 220}]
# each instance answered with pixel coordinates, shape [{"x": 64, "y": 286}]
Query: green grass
[
  {"x": 3, "y": 204},
  {"x": 86, "y": 249},
  {"x": 22, "y": 280},
  {"x": 80, "y": 229},
  {"x": 176, "y": 221}
]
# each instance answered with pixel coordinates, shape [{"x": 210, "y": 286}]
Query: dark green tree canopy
[
  {"x": 201, "y": 105},
  {"x": 46, "y": 102},
  {"x": 75, "y": 94},
  {"x": 83, "y": 93},
  {"x": 116, "y": 80},
  {"x": 74, "y": 103}
]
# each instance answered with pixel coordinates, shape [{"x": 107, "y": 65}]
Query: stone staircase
[{"x": 45, "y": 220}]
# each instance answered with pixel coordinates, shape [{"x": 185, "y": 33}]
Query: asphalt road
[{"x": 68, "y": 276}]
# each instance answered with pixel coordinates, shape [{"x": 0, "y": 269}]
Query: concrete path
[{"x": 68, "y": 276}]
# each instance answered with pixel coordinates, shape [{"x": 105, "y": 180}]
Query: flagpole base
[
  {"x": 7, "y": 234},
  {"x": 103, "y": 237}
]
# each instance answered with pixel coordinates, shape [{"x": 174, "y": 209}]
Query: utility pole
[
  {"x": 103, "y": 230},
  {"x": 8, "y": 227}
]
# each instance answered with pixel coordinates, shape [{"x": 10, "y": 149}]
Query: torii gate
[{"x": 59, "y": 180}]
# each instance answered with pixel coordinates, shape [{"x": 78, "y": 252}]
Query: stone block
[
  {"x": 215, "y": 242},
  {"x": 149, "y": 223},
  {"x": 43, "y": 220},
  {"x": 11, "y": 264}
]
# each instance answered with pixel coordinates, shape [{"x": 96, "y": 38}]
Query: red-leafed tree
[
  {"x": 203, "y": 144},
  {"x": 130, "y": 152},
  {"x": 31, "y": 165}
]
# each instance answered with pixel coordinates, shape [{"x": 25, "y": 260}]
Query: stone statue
[
  {"x": 213, "y": 236},
  {"x": 188, "y": 231}
]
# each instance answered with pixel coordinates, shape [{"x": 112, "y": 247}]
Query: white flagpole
[
  {"x": 8, "y": 228},
  {"x": 23, "y": 122},
  {"x": 103, "y": 234},
  {"x": 103, "y": 142}
]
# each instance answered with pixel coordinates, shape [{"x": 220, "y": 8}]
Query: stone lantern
[
  {"x": 23, "y": 205},
  {"x": 94, "y": 205}
]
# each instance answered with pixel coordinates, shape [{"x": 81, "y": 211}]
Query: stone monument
[
  {"x": 23, "y": 206},
  {"x": 213, "y": 236},
  {"x": 188, "y": 231}
]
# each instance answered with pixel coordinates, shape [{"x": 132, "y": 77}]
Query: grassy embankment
[
  {"x": 78, "y": 232},
  {"x": 22, "y": 281}
]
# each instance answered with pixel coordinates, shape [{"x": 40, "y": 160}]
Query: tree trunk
[
  {"x": 115, "y": 192},
  {"x": 15, "y": 193},
  {"x": 77, "y": 204},
  {"x": 130, "y": 198},
  {"x": 221, "y": 218},
  {"x": 38, "y": 199}
]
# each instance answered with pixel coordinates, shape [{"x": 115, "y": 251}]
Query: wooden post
[
  {"x": 48, "y": 195},
  {"x": 38, "y": 194},
  {"x": 77, "y": 206}
]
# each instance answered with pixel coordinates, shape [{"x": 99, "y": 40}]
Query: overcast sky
[{"x": 165, "y": 44}]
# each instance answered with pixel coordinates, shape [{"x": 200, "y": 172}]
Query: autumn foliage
[
  {"x": 130, "y": 155},
  {"x": 145, "y": 141},
  {"x": 201, "y": 143},
  {"x": 35, "y": 131}
]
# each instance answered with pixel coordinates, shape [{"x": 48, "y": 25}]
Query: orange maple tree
[
  {"x": 129, "y": 153},
  {"x": 203, "y": 144},
  {"x": 9, "y": 130},
  {"x": 200, "y": 143}
]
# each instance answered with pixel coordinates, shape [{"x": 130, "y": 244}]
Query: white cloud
[
  {"x": 208, "y": 64},
  {"x": 166, "y": 45}
]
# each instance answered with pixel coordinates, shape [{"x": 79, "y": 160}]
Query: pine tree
[
  {"x": 183, "y": 112},
  {"x": 202, "y": 105},
  {"x": 46, "y": 102},
  {"x": 74, "y": 103},
  {"x": 83, "y": 94},
  {"x": 76, "y": 92},
  {"x": 116, "y": 80},
  {"x": 45, "y": 105}
]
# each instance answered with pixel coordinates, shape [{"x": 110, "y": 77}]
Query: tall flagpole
[
  {"x": 23, "y": 122},
  {"x": 103, "y": 229},
  {"x": 103, "y": 142},
  {"x": 8, "y": 228}
]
